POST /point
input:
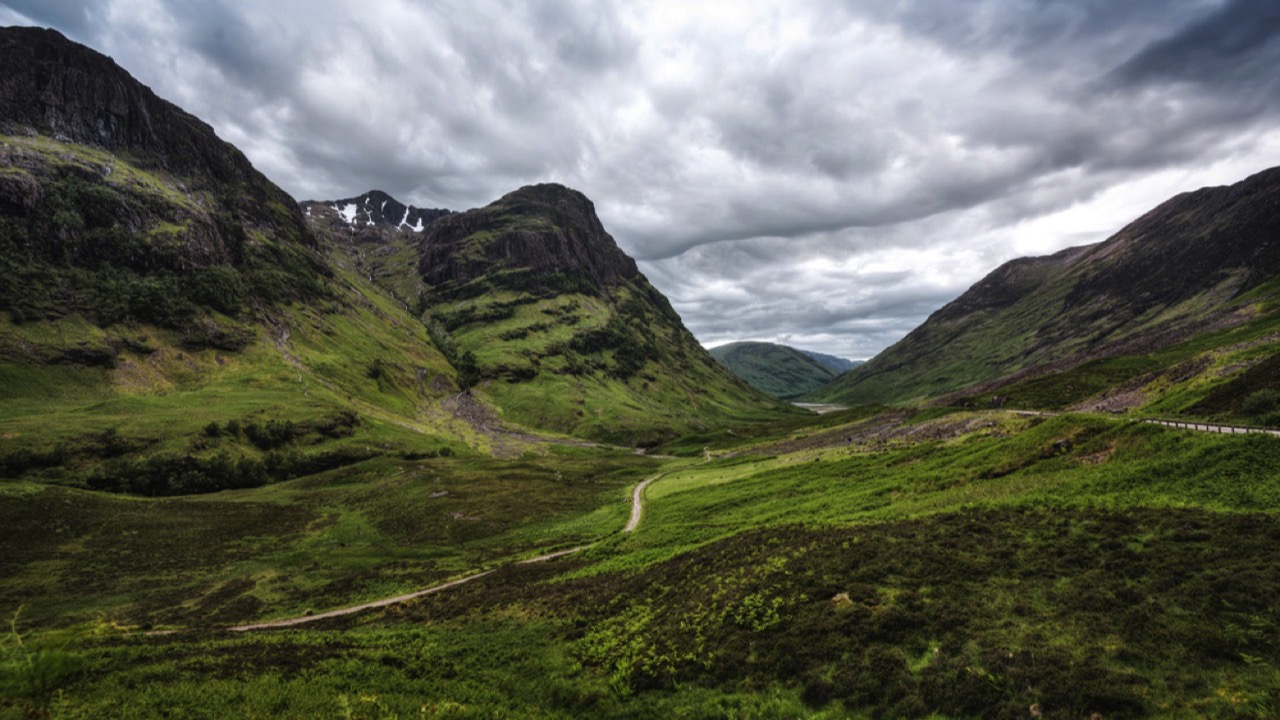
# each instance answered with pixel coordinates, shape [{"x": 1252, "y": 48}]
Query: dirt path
[
  {"x": 288, "y": 622},
  {"x": 637, "y": 505},
  {"x": 637, "y": 511}
]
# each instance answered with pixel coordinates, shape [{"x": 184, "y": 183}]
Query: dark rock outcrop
[
  {"x": 545, "y": 230},
  {"x": 118, "y": 205},
  {"x": 75, "y": 94}
]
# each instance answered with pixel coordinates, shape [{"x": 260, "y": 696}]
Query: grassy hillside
[
  {"x": 550, "y": 324},
  {"x": 773, "y": 369},
  {"x": 1225, "y": 375},
  {"x": 1200, "y": 262},
  {"x": 951, "y": 565}
]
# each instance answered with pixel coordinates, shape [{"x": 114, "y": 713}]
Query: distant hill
[
  {"x": 774, "y": 369},
  {"x": 835, "y": 364},
  {"x": 1203, "y": 262}
]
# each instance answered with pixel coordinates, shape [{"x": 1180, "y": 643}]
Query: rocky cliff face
[
  {"x": 540, "y": 230},
  {"x": 74, "y": 94},
  {"x": 1184, "y": 266},
  {"x": 117, "y": 205}
]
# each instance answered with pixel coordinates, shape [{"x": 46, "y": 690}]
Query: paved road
[
  {"x": 637, "y": 511},
  {"x": 1179, "y": 424}
]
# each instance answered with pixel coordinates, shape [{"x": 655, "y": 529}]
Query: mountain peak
[
  {"x": 537, "y": 231},
  {"x": 373, "y": 209},
  {"x": 72, "y": 93},
  {"x": 548, "y": 193}
]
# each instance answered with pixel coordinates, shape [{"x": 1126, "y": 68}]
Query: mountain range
[
  {"x": 354, "y": 458},
  {"x": 135, "y": 241}
]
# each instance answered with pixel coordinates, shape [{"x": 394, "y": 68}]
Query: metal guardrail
[
  {"x": 1214, "y": 427},
  {"x": 1179, "y": 424}
]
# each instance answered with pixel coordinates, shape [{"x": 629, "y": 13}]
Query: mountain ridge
[
  {"x": 119, "y": 205},
  {"x": 550, "y": 321},
  {"x": 538, "y": 229},
  {"x": 373, "y": 208},
  {"x": 835, "y": 363},
  {"x": 1193, "y": 261}
]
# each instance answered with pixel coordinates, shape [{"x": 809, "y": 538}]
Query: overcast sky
[{"x": 821, "y": 173}]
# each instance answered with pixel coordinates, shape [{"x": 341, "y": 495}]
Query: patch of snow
[
  {"x": 418, "y": 227},
  {"x": 348, "y": 212}
]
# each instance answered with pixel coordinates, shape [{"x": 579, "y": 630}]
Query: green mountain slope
[
  {"x": 1200, "y": 262},
  {"x": 545, "y": 317},
  {"x": 774, "y": 369},
  {"x": 117, "y": 206},
  {"x": 157, "y": 290},
  {"x": 224, "y": 403}
]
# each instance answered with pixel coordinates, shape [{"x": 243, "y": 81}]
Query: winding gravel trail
[
  {"x": 637, "y": 504},
  {"x": 637, "y": 511}
]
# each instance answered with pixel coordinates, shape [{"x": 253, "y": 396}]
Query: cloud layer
[{"x": 819, "y": 172}]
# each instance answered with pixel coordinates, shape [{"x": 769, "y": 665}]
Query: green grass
[
  {"x": 555, "y": 362},
  {"x": 941, "y": 563},
  {"x": 366, "y": 531},
  {"x": 949, "y": 565},
  {"x": 1206, "y": 377}
]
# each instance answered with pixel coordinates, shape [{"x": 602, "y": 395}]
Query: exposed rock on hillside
[
  {"x": 550, "y": 320},
  {"x": 117, "y": 205},
  {"x": 537, "y": 231}
]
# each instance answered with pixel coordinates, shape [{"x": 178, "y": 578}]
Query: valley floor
[{"x": 938, "y": 564}]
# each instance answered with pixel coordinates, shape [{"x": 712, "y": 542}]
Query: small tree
[{"x": 468, "y": 370}]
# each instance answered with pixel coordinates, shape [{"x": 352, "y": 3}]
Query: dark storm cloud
[
  {"x": 1237, "y": 44},
  {"x": 828, "y": 171},
  {"x": 219, "y": 34}
]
